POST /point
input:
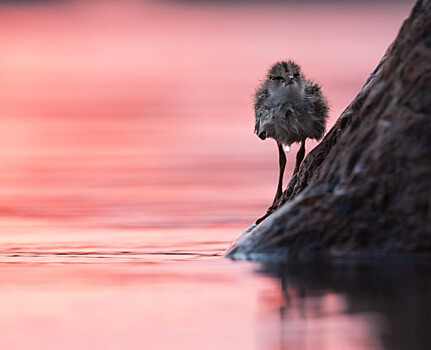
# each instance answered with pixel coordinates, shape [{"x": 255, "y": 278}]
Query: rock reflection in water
[{"x": 377, "y": 305}]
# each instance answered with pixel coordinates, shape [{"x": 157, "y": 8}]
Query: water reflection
[
  {"x": 183, "y": 302},
  {"x": 354, "y": 306}
]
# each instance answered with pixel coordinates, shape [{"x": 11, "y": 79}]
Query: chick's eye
[
  {"x": 297, "y": 75},
  {"x": 277, "y": 78}
]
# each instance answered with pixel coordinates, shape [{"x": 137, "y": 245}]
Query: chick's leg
[
  {"x": 282, "y": 165},
  {"x": 299, "y": 156}
]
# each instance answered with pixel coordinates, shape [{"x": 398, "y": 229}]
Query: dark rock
[{"x": 367, "y": 186}]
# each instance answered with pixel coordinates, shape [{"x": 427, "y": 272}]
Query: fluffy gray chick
[{"x": 289, "y": 108}]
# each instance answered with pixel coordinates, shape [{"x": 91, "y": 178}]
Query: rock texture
[{"x": 367, "y": 186}]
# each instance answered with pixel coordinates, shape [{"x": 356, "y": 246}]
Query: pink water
[{"x": 128, "y": 164}]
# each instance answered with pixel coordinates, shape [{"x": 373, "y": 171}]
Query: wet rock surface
[{"x": 367, "y": 186}]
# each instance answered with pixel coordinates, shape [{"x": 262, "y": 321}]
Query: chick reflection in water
[{"x": 364, "y": 306}]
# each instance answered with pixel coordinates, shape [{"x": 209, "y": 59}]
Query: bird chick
[{"x": 289, "y": 108}]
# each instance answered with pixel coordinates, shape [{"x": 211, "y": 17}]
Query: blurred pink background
[{"x": 140, "y": 112}]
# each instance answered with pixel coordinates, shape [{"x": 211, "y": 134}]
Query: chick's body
[{"x": 288, "y": 107}]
